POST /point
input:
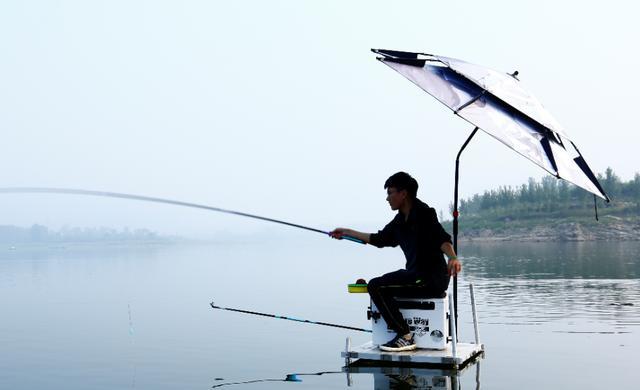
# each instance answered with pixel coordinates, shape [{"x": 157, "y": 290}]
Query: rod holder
[
  {"x": 347, "y": 349},
  {"x": 452, "y": 322},
  {"x": 475, "y": 313}
]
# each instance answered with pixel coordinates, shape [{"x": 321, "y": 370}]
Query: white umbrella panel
[{"x": 497, "y": 103}]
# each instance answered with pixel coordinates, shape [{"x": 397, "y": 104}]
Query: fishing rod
[
  {"x": 290, "y": 318},
  {"x": 71, "y": 191}
]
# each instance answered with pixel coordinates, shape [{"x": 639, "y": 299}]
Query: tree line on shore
[
  {"x": 41, "y": 234},
  {"x": 551, "y": 196}
]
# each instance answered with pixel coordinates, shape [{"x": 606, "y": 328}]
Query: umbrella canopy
[{"x": 496, "y": 103}]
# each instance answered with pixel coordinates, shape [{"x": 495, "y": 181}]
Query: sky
[{"x": 280, "y": 109}]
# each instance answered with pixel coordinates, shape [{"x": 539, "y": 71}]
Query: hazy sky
[{"x": 279, "y": 108}]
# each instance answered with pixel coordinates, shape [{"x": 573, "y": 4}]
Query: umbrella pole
[{"x": 455, "y": 223}]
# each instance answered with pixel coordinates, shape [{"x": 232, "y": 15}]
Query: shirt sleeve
[{"x": 384, "y": 237}]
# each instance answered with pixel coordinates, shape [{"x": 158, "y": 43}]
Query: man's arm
[
  {"x": 339, "y": 232},
  {"x": 454, "y": 265}
]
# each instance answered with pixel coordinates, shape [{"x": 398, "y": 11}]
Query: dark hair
[{"x": 403, "y": 181}]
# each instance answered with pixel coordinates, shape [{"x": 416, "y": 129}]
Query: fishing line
[
  {"x": 70, "y": 191},
  {"x": 290, "y": 318},
  {"x": 131, "y": 331}
]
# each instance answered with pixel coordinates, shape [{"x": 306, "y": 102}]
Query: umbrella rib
[
  {"x": 582, "y": 164},
  {"x": 546, "y": 146},
  {"x": 485, "y": 91},
  {"x": 543, "y": 129},
  {"x": 462, "y": 107}
]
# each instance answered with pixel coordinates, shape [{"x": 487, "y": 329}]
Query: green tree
[
  {"x": 611, "y": 182},
  {"x": 550, "y": 195}
]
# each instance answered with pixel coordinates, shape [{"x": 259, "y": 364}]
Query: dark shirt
[{"x": 420, "y": 238}]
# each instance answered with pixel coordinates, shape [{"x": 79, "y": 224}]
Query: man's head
[{"x": 401, "y": 189}]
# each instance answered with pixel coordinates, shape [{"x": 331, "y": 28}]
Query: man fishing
[{"x": 423, "y": 240}]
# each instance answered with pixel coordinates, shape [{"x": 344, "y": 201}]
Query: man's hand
[
  {"x": 337, "y": 233},
  {"x": 454, "y": 267},
  {"x": 340, "y": 233}
]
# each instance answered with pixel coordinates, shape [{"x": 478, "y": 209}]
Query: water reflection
[
  {"x": 582, "y": 287},
  {"x": 533, "y": 302},
  {"x": 388, "y": 377},
  {"x": 564, "y": 260},
  {"x": 295, "y": 377},
  {"x": 394, "y": 377}
]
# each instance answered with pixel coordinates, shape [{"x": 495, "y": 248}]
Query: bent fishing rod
[
  {"x": 279, "y": 317},
  {"x": 71, "y": 191}
]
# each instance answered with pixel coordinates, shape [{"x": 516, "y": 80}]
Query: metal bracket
[{"x": 373, "y": 314}]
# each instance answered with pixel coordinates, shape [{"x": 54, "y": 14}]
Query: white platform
[{"x": 465, "y": 353}]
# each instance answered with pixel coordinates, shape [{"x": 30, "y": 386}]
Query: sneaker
[{"x": 399, "y": 343}]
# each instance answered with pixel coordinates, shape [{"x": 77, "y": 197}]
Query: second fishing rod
[{"x": 281, "y": 317}]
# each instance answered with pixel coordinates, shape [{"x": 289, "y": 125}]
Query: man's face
[{"x": 396, "y": 198}]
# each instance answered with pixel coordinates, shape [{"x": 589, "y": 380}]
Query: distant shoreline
[
  {"x": 609, "y": 228},
  {"x": 11, "y": 235}
]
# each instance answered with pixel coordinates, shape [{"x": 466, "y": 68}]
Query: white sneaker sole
[{"x": 400, "y": 349}]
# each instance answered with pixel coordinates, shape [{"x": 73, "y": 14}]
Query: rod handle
[{"x": 359, "y": 241}]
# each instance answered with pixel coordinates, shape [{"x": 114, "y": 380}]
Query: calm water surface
[{"x": 108, "y": 316}]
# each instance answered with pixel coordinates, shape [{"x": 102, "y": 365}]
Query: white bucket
[{"x": 426, "y": 317}]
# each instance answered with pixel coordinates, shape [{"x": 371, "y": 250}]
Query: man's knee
[{"x": 374, "y": 284}]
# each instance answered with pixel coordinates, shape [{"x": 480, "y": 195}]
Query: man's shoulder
[
  {"x": 423, "y": 206},
  {"x": 397, "y": 219},
  {"x": 425, "y": 210}
]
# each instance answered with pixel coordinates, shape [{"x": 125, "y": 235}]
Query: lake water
[{"x": 117, "y": 317}]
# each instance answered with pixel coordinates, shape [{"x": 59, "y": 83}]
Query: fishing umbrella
[{"x": 496, "y": 103}]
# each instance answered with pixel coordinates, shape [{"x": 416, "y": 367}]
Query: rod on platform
[{"x": 290, "y": 318}]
